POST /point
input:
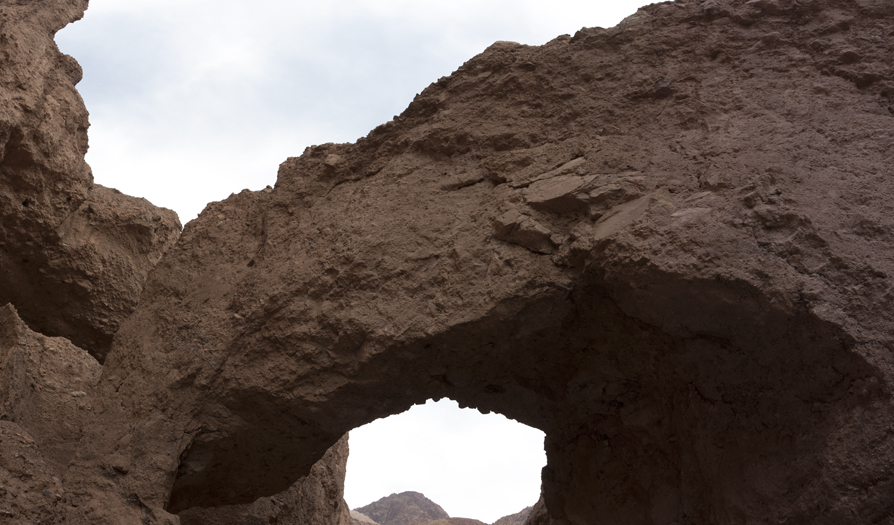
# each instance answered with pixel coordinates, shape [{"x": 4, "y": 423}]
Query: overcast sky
[{"x": 192, "y": 100}]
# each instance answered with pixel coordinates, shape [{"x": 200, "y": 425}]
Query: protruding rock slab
[{"x": 517, "y": 228}]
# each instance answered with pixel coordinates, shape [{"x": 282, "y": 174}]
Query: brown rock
[
  {"x": 690, "y": 357},
  {"x": 91, "y": 278},
  {"x": 318, "y": 498},
  {"x": 451, "y": 521},
  {"x": 714, "y": 348},
  {"x": 46, "y": 386},
  {"x": 563, "y": 195},
  {"x": 47, "y": 392},
  {"x": 30, "y": 490},
  {"x": 73, "y": 256},
  {"x": 538, "y": 515},
  {"x": 360, "y": 518},
  {"x": 406, "y": 508},
  {"x": 517, "y": 228},
  {"x": 515, "y": 519}
]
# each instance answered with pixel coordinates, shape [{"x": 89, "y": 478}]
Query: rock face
[
  {"x": 515, "y": 519},
  {"x": 73, "y": 256},
  {"x": 46, "y": 387},
  {"x": 538, "y": 515},
  {"x": 29, "y": 488},
  {"x": 406, "y": 508},
  {"x": 665, "y": 244},
  {"x": 317, "y": 499}
]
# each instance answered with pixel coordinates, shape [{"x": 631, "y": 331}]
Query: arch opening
[
  {"x": 474, "y": 465},
  {"x": 648, "y": 397}
]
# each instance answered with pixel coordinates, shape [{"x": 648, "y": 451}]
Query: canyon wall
[
  {"x": 73, "y": 255},
  {"x": 665, "y": 244},
  {"x": 73, "y": 260}
]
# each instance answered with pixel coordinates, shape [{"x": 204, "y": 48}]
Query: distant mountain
[
  {"x": 515, "y": 519},
  {"x": 405, "y": 508},
  {"x": 360, "y": 518},
  {"x": 452, "y": 521}
]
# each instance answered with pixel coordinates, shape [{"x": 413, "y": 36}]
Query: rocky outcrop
[
  {"x": 664, "y": 244},
  {"x": 360, "y": 518},
  {"x": 539, "y": 515},
  {"x": 451, "y": 521},
  {"x": 318, "y": 498},
  {"x": 46, "y": 387},
  {"x": 515, "y": 519},
  {"x": 73, "y": 256},
  {"x": 30, "y": 490},
  {"x": 47, "y": 391},
  {"x": 406, "y": 508}
]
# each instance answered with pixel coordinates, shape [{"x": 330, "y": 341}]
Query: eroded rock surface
[
  {"x": 46, "y": 386},
  {"x": 73, "y": 255},
  {"x": 316, "y": 499},
  {"x": 451, "y": 521},
  {"x": 30, "y": 490},
  {"x": 665, "y": 244},
  {"x": 538, "y": 515},
  {"x": 518, "y": 518},
  {"x": 47, "y": 393}
]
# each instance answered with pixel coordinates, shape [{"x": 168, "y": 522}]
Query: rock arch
[{"x": 605, "y": 238}]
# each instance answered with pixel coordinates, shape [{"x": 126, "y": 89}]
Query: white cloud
[{"x": 221, "y": 92}]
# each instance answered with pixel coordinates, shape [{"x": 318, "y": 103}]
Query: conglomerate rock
[
  {"x": 665, "y": 244},
  {"x": 73, "y": 256},
  {"x": 47, "y": 390},
  {"x": 317, "y": 499},
  {"x": 46, "y": 386}
]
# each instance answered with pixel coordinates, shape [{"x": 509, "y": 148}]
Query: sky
[
  {"x": 192, "y": 100},
  {"x": 472, "y": 465}
]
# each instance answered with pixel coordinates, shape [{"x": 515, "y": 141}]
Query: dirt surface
[{"x": 665, "y": 244}]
